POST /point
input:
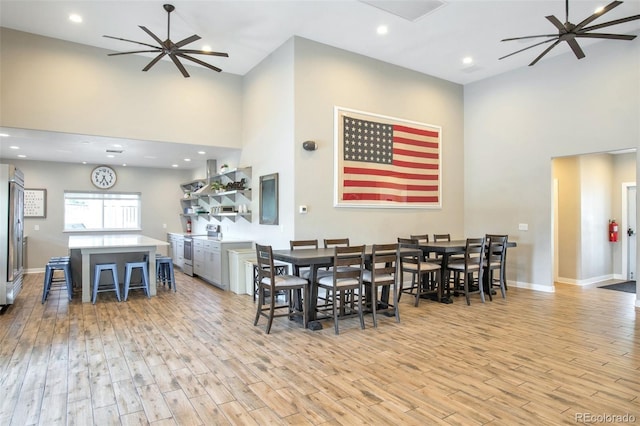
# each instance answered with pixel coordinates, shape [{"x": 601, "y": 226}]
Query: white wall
[
  {"x": 326, "y": 77},
  {"x": 515, "y": 123},
  {"x": 50, "y": 84}
]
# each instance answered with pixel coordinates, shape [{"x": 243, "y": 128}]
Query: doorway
[{"x": 628, "y": 231}]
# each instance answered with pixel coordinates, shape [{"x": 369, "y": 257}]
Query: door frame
[{"x": 624, "y": 249}]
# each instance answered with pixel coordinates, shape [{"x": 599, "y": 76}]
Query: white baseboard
[{"x": 531, "y": 286}]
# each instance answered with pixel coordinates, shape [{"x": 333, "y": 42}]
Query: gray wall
[
  {"x": 160, "y": 189},
  {"x": 517, "y": 122}
]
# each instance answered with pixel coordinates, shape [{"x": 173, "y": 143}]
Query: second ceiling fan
[
  {"x": 171, "y": 49},
  {"x": 569, "y": 32}
]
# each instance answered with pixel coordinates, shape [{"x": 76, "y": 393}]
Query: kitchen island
[{"x": 105, "y": 248}]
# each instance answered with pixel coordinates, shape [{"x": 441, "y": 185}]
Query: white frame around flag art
[{"x": 388, "y": 191}]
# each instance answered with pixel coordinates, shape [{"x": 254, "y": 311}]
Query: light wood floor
[{"x": 195, "y": 358}]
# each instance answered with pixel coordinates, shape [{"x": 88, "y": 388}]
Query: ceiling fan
[
  {"x": 173, "y": 50},
  {"x": 570, "y": 32}
]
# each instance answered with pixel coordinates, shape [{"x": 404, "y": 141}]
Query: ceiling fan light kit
[
  {"x": 169, "y": 48},
  {"x": 569, "y": 32}
]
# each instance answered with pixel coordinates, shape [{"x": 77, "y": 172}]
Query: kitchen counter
[{"x": 111, "y": 245}]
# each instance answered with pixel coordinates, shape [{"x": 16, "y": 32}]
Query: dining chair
[
  {"x": 302, "y": 270},
  {"x": 275, "y": 284},
  {"x": 424, "y": 276},
  {"x": 382, "y": 273},
  {"x": 345, "y": 282},
  {"x": 335, "y": 242},
  {"x": 469, "y": 267},
  {"x": 495, "y": 261},
  {"x": 441, "y": 237}
]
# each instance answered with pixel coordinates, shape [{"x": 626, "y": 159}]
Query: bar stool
[
  {"x": 58, "y": 263},
  {"x": 115, "y": 286},
  {"x": 164, "y": 272},
  {"x": 144, "y": 278}
]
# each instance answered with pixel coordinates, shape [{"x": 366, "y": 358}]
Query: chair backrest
[
  {"x": 335, "y": 242},
  {"x": 348, "y": 262},
  {"x": 294, "y": 244},
  {"x": 441, "y": 237},
  {"x": 496, "y": 248},
  {"x": 413, "y": 257},
  {"x": 422, "y": 238},
  {"x": 408, "y": 242},
  {"x": 474, "y": 253},
  {"x": 264, "y": 257},
  {"x": 384, "y": 263}
]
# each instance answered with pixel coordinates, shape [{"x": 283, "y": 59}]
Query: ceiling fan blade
[
  {"x": 597, "y": 14},
  {"x": 152, "y": 35},
  {"x": 203, "y": 52},
  {"x": 609, "y": 23},
  {"x": 179, "y": 65},
  {"x": 527, "y": 48},
  {"x": 135, "y": 51},
  {"x": 576, "y": 48},
  {"x": 198, "y": 61},
  {"x": 187, "y": 40},
  {"x": 556, "y": 23},
  {"x": 154, "y": 61},
  {"x": 609, "y": 36},
  {"x": 533, "y": 36},
  {"x": 130, "y": 41},
  {"x": 544, "y": 53}
]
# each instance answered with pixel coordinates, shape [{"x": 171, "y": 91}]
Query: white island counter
[{"x": 89, "y": 245}]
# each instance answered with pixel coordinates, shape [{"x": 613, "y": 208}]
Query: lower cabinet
[
  {"x": 176, "y": 249},
  {"x": 211, "y": 259}
]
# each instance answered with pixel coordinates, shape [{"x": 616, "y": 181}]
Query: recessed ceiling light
[
  {"x": 201, "y": 152},
  {"x": 124, "y": 164},
  {"x": 22, "y": 156},
  {"x": 187, "y": 159},
  {"x": 84, "y": 162},
  {"x": 117, "y": 145},
  {"x": 110, "y": 156},
  {"x": 174, "y": 165},
  {"x": 74, "y": 17},
  {"x": 14, "y": 147},
  {"x": 4, "y": 135},
  {"x": 206, "y": 48},
  {"x": 382, "y": 29},
  {"x": 467, "y": 60}
]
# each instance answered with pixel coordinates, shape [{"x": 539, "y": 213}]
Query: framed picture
[
  {"x": 269, "y": 199},
  {"x": 35, "y": 203},
  {"x": 386, "y": 162}
]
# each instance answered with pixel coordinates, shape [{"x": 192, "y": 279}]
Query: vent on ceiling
[
  {"x": 115, "y": 151},
  {"x": 411, "y": 10}
]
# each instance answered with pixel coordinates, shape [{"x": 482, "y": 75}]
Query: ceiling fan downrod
[{"x": 169, "y": 8}]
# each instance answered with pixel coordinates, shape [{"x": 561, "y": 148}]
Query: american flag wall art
[{"x": 386, "y": 162}]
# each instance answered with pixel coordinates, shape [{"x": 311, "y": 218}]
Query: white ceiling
[{"x": 433, "y": 43}]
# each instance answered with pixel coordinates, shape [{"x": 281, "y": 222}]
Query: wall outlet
[
  {"x": 164, "y": 226},
  {"x": 523, "y": 226},
  {"x": 36, "y": 227}
]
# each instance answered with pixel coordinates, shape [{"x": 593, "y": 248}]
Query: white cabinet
[
  {"x": 176, "y": 249},
  {"x": 211, "y": 259}
]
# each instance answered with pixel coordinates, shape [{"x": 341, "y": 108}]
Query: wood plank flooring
[{"x": 195, "y": 358}]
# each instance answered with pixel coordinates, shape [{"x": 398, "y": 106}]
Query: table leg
[
  {"x": 86, "y": 278},
  {"x": 152, "y": 274},
  {"x": 312, "y": 303},
  {"x": 444, "y": 281}
]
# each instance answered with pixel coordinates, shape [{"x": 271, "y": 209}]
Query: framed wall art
[
  {"x": 386, "y": 162},
  {"x": 35, "y": 203}
]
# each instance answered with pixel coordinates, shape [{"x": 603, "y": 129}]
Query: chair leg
[
  {"x": 374, "y": 303},
  {"x": 260, "y": 303},
  {"x": 272, "y": 310},
  {"x": 335, "y": 310}
]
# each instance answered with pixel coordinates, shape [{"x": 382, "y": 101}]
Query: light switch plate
[{"x": 523, "y": 226}]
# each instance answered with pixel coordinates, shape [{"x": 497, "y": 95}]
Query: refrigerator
[{"x": 11, "y": 233}]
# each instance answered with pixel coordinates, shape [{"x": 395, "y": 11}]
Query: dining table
[
  {"x": 314, "y": 259},
  {"x": 108, "y": 247},
  {"x": 445, "y": 250}
]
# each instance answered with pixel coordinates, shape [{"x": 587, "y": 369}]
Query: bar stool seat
[
  {"x": 281, "y": 268},
  {"x": 144, "y": 278},
  {"x": 164, "y": 272},
  {"x": 58, "y": 263},
  {"x": 115, "y": 286}
]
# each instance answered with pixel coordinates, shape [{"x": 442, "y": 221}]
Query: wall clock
[{"x": 103, "y": 177}]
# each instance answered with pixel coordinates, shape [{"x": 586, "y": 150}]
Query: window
[{"x": 101, "y": 211}]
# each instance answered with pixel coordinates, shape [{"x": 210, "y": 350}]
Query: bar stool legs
[
  {"x": 144, "y": 278},
  {"x": 164, "y": 272},
  {"x": 57, "y": 264},
  {"x": 115, "y": 286}
]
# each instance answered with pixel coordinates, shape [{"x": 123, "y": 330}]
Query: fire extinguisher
[
  {"x": 613, "y": 231},
  {"x": 188, "y": 226}
]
